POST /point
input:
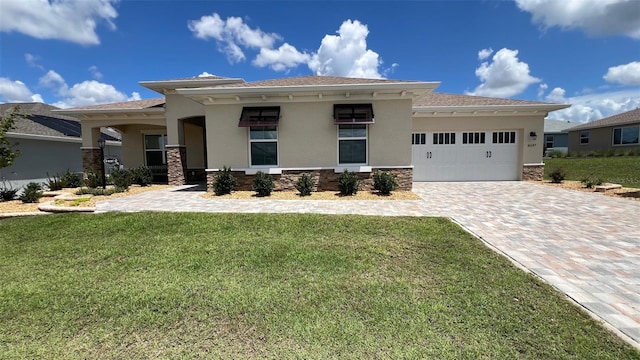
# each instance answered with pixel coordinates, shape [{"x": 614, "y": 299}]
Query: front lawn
[
  {"x": 623, "y": 170},
  {"x": 149, "y": 285}
]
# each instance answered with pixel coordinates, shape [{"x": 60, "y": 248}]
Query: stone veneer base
[
  {"x": 176, "y": 165},
  {"x": 325, "y": 180},
  {"x": 533, "y": 172},
  {"x": 91, "y": 160}
]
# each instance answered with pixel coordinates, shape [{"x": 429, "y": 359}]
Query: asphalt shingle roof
[
  {"x": 442, "y": 99},
  {"x": 40, "y": 120},
  {"x": 557, "y": 126},
  {"x": 629, "y": 117},
  {"x": 126, "y": 105}
]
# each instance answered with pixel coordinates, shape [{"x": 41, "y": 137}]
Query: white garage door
[{"x": 465, "y": 156}]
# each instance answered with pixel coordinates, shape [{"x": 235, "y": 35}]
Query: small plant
[
  {"x": 224, "y": 182},
  {"x": 557, "y": 175},
  {"x": 7, "y": 192},
  {"x": 305, "y": 184},
  {"x": 121, "y": 178},
  {"x": 55, "y": 183},
  {"x": 71, "y": 179},
  {"x": 142, "y": 176},
  {"x": 384, "y": 182},
  {"x": 32, "y": 193},
  {"x": 590, "y": 182},
  {"x": 348, "y": 183},
  {"x": 263, "y": 184},
  {"x": 93, "y": 179}
]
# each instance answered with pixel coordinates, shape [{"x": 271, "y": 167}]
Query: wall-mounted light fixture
[{"x": 533, "y": 135}]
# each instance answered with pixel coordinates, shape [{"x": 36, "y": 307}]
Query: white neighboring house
[{"x": 49, "y": 143}]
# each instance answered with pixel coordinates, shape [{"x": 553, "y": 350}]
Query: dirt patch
[
  {"x": 625, "y": 193},
  {"x": 321, "y": 195},
  {"x": 17, "y": 206}
]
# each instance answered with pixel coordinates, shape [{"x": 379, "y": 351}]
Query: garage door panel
[{"x": 466, "y": 156}]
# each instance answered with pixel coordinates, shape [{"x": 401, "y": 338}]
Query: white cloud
[
  {"x": 69, "y": 20},
  {"x": 484, "y": 54},
  {"x": 95, "y": 72},
  {"x": 53, "y": 80},
  {"x": 346, "y": 54},
  {"x": 230, "y": 34},
  {"x": 591, "y": 107},
  {"x": 32, "y": 61},
  {"x": 541, "y": 89},
  {"x": 282, "y": 58},
  {"x": 595, "y": 17},
  {"x": 506, "y": 76},
  {"x": 16, "y": 91},
  {"x": 627, "y": 74},
  {"x": 205, "y": 74}
]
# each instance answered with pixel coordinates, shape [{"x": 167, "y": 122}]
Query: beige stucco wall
[
  {"x": 133, "y": 143},
  {"x": 179, "y": 107},
  {"x": 530, "y": 150},
  {"x": 599, "y": 139},
  {"x": 307, "y": 135}
]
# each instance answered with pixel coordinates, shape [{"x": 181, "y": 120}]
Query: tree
[{"x": 8, "y": 153}]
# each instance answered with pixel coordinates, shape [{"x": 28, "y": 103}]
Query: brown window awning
[
  {"x": 353, "y": 114},
  {"x": 259, "y": 116}
]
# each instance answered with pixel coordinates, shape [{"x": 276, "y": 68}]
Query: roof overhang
[
  {"x": 169, "y": 86},
  {"x": 308, "y": 93},
  {"x": 487, "y": 110},
  {"x": 102, "y": 114}
]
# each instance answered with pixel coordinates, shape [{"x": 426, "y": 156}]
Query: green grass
[
  {"x": 623, "y": 170},
  {"x": 151, "y": 285}
]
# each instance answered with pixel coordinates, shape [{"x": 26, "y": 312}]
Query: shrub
[
  {"x": 121, "y": 178},
  {"x": 590, "y": 182},
  {"x": 99, "y": 191},
  {"x": 557, "y": 175},
  {"x": 384, "y": 182},
  {"x": 305, "y": 184},
  {"x": 93, "y": 179},
  {"x": 263, "y": 184},
  {"x": 7, "y": 192},
  {"x": 32, "y": 193},
  {"x": 141, "y": 176},
  {"x": 557, "y": 154},
  {"x": 224, "y": 182},
  {"x": 71, "y": 179},
  {"x": 348, "y": 183},
  {"x": 55, "y": 183}
]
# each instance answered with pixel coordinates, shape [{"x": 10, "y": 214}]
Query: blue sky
[{"x": 83, "y": 52}]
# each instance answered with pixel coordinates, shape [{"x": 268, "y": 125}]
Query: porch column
[
  {"x": 176, "y": 164},
  {"x": 91, "y": 159}
]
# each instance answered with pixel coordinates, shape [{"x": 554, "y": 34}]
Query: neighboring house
[
  {"x": 617, "y": 132},
  {"x": 322, "y": 125},
  {"x": 49, "y": 143},
  {"x": 555, "y": 136}
]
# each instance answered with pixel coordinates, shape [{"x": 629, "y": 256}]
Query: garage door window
[
  {"x": 418, "y": 139},
  {"x": 444, "y": 138},
  {"x": 504, "y": 137},
  {"x": 352, "y": 144},
  {"x": 473, "y": 138}
]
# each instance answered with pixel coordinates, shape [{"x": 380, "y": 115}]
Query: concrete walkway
[{"x": 587, "y": 245}]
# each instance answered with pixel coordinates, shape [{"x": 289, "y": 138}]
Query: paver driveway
[{"x": 585, "y": 244}]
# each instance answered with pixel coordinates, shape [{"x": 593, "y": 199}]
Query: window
[
  {"x": 584, "y": 137},
  {"x": 263, "y": 143},
  {"x": 626, "y": 135},
  {"x": 259, "y": 116},
  {"x": 352, "y": 144},
  {"x": 155, "y": 153},
  {"x": 353, "y": 113},
  {"x": 548, "y": 141},
  {"x": 473, "y": 137},
  {"x": 504, "y": 137},
  {"x": 444, "y": 138},
  {"x": 418, "y": 139}
]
